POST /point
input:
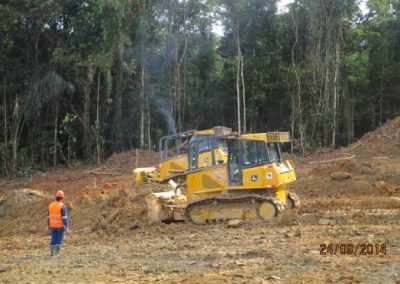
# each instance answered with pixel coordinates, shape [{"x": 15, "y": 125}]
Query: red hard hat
[{"x": 60, "y": 193}]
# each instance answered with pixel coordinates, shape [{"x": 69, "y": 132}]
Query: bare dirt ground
[{"x": 349, "y": 196}]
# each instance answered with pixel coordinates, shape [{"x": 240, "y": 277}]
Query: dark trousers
[{"x": 57, "y": 236}]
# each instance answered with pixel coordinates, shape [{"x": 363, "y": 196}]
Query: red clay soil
[{"x": 350, "y": 201}]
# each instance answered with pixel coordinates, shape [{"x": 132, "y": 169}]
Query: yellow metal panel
[
  {"x": 218, "y": 130},
  {"x": 275, "y": 137},
  {"x": 220, "y": 155},
  {"x": 271, "y": 176},
  {"x": 253, "y": 178},
  {"x": 254, "y": 136},
  {"x": 175, "y": 165},
  {"x": 281, "y": 194},
  {"x": 207, "y": 131},
  {"x": 204, "y": 159},
  {"x": 276, "y": 174},
  {"x": 278, "y": 137},
  {"x": 199, "y": 183}
]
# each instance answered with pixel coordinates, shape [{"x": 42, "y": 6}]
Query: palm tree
[{"x": 50, "y": 88}]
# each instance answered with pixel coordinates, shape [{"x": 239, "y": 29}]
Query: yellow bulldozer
[
  {"x": 174, "y": 158},
  {"x": 250, "y": 184}
]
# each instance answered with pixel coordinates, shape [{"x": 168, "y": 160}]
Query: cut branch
[{"x": 333, "y": 160}]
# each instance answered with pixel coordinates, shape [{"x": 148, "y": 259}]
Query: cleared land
[{"x": 349, "y": 196}]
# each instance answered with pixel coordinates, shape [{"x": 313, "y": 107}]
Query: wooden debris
[
  {"x": 104, "y": 174},
  {"x": 355, "y": 145},
  {"x": 340, "y": 175},
  {"x": 379, "y": 158},
  {"x": 235, "y": 223},
  {"x": 333, "y": 160}
]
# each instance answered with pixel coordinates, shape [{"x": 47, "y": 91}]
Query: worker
[
  {"x": 249, "y": 155},
  {"x": 57, "y": 223}
]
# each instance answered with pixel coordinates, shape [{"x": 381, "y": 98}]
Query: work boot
[
  {"x": 58, "y": 249},
  {"x": 52, "y": 250}
]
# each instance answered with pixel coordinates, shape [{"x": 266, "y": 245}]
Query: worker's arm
[
  {"x": 64, "y": 216},
  {"x": 48, "y": 219}
]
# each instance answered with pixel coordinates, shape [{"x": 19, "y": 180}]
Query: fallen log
[
  {"x": 332, "y": 160},
  {"x": 104, "y": 174},
  {"x": 379, "y": 158},
  {"x": 354, "y": 146}
]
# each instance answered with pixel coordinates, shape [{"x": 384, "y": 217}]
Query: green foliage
[
  {"x": 25, "y": 165},
  {"x": 47, "y": 89},
  {"x": 357, "y": 66},
  {"x": 381, "y": 7},
  {"x": 69, "y": 132},
  {"x": 66, "y": 127},
  {"x": 128, "y": 55}
]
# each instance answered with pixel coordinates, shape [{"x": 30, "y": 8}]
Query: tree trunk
[
  {"x": 381, "y": 95},
  {"x": 15, "y": 129},
  {"x": 98, "y": 119},
  {"x": 292, "y": 123},
  {"x": 118, "y": 61},
  {"x": 168, "y": 56},
  {"x": 37, "y": 47},
  {"x": 298, "y": 91},
  {"x": 148, "y": 122},
  {"x": 55, "y": 137},
  {"x": 142, "y": 80},
  {"x": 179, "y": 67},
  {"x": 69, "y": 147},
  {"x": 184, "y": 89},
  {"x": 239, "y": 126},
  {"x": 5, "y": 130},
  {"x": 142, "y": 104},
  {"x": 86, "y": 122},
  {"x": 243, "y": 90},
  {"x": 347, "y": 111},
  {"x": 335, "y": 93},
  {"x": 142, "y": 126}
]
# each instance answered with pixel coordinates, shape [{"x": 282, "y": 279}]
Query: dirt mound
[
  {"x": 25, "y": 211},
  {"x": 351, "y": 166},
  {"x": 102, "y": 211},
  {"x": 382, "y": 142},
  {"x": 13, "y": 203},
  {"x": 110, "y": 211}
]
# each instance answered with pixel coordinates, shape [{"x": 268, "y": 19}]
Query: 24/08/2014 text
[{"x": 352, "y": 249}]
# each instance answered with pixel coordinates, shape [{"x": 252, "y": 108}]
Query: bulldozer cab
[
  {"x": 207, "y": 151},
  {"x": 174, "y": 148},
  {"x": 242, "y": 154},
  {"x": 176, "y": 144},
  {"x": 245, "y": 154}
]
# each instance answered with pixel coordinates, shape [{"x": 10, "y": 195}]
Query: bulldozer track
[{"x": 247, "y": 207}]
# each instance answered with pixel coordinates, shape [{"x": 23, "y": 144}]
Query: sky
[{"x": 282, "y": 5}]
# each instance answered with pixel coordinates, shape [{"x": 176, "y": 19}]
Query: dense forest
[{"x": 81, "y": 79}]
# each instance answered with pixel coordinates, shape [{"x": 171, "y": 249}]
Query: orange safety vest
[{"x": 55, "y": 218}]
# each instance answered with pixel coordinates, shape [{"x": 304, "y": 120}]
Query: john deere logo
[{"x": 254, "y": 178}]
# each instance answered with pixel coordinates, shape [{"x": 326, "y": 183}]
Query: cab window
[
  {"x": 274, "y": 153},
  {"x": 254, "y": 153}
]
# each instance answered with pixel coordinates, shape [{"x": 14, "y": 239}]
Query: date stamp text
[{"x": 352, "y": 249}]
